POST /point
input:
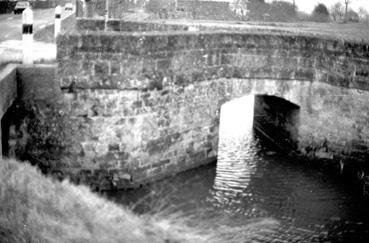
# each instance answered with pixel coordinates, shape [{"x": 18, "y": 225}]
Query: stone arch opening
[
  {"x": 250, "y": 126},
  {"x": 236, "y": 116},
  {"x": 4, "y": 136},
  {"x": 277, "y": 120},
  {"x": 8, "y": 133}
]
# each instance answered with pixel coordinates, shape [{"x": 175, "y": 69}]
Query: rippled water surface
[{"x": 267, "y": 196}]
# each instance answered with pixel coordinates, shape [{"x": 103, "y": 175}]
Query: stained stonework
[{"x": 147, "y": 105}]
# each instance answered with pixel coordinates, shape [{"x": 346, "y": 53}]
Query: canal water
[{"x": 255, "y": 193}]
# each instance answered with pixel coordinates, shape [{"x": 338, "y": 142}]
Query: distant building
[
  {"x": 206, "y": 9},
  {"x": 239, "y": 7},
  {"x": 7, "y": 6},
  {"x": 352, "y": 16}
]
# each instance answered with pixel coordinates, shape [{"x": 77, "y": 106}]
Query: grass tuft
[{"x": 34, "y": 208}]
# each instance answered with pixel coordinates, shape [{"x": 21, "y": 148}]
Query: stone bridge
[{"x": 147, "y": 104}]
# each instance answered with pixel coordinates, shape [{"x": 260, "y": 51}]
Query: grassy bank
[{"x": 34, "y": 208}]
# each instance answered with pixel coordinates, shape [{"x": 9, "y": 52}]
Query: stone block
[
  {"x": 115, "y": 68},
  {"x": 306, "y": 62},
  {"x": 114, "y": 147},
  {"x": 69, "y": 68},
  {"x": 338, "y": 80},
  {"x": 182, "y": 80},
  {"x": 91, "y": 42},
  {"x": 161, "y": 163},
  {"x": 101, "y": 69},
  {"x": 89, "y": 24},
  {"x": 163, "y": 64},
  {"x": 360, "y": 83},
  {"x": 87, "y": 67},
  {"x": 157, "y": 146},
  {"x": 286, "y": 73},
  {"x": 305, "y": 74}
]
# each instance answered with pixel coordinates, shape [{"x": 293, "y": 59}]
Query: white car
[
  {"x": 68, "y": 6},
  {"x": 20, "y": 6}
]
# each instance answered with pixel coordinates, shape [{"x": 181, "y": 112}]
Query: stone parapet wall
[
  {"x": 155, "y": 60},
  {"x": 88, "y": 24}
]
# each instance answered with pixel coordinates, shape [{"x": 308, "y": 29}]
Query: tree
[
  {"x": 363, "y": 15},
  {"x": 282, "y": 11},
  {"x": 240, "y": 7},
  {"x": 258, "y": 9},
  {"x": 347, "y": 2},
  {"x": 294, "y": 6},
  {"x": 194, "y": 9},
  {"x": 320, "y": 13},
  {"x": 156, "y": 6},
  {"x": 337, "y": 12}
]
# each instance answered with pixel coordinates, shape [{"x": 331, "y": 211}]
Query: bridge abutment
[{"x": 8, "y": 93}]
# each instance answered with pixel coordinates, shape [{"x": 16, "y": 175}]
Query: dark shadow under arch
[
  {"x": 4, "y": 136},
  {"x": 277, "y": 120}
]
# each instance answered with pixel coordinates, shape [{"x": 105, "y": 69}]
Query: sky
[{"x": 308, "y": 5}]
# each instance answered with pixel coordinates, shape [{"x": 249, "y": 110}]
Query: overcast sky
[{"x": 308, "y": 5}]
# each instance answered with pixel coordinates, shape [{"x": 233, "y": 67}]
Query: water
[{"x": 256, "y": 194}]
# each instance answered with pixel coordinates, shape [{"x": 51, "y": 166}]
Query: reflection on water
[
  {"x": 237, "y": 158},
  {"x": 262, "y": 195},
  {"x": 233, "y": 177}
]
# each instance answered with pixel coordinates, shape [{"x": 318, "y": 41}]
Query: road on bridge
[
  {"x": 11, "y": 35},
  {"x": 11, "y": 24}
]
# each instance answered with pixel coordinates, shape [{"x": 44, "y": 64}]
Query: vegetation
[
  {"x": 156, "y": 6},
  {"x": 320, "y": 13},
  {"x": 337, "y": 12},
  {"x": 258, "y": 9},
  {"x": 34, "y": 208},
  {"x": 363, "y": 15},
  {"x": 248, "y": 10},
  {"x": 38, "y": 209},
  {"x": 341, "y": 13},
  {"x": 43, "y": 133},
  {"x": 282, "y": 11},
  {"x": 286, "y": 11},
  {"x": 347, "y": 2}
]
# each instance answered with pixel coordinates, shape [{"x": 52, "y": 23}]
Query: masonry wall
[
  {"x": 147, "y": 105},
  {"x": 8, "y": 88},
  {"x": 85, "y": 24}
]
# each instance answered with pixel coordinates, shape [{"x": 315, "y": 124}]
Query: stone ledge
[{"x": 8, "y": 87}]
